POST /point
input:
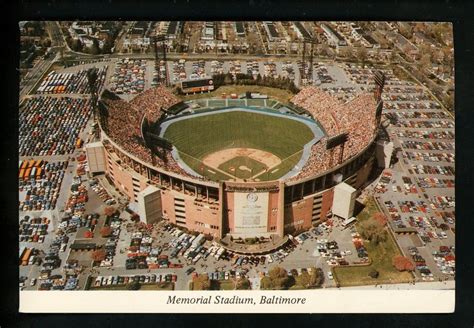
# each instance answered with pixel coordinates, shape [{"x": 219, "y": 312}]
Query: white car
[
  {"x": 330, "y": 276},
  {"x": 270, "y": 259}
]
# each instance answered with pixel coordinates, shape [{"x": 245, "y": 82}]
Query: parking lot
[
  {"x": 51, "y": 125},
  {"x": 420, "y": 186},
  {"x": 417, "y": 192}
]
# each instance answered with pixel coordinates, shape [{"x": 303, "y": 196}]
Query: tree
[
  {"x": 106, "y": 231},
  {"x": 266, "y": 283},
  {"x": 98, "y": 255},
  {"x": 303, "y": 280},
  {"x": 345, "y": 52},
  {"x": 95, "y": 49},
  {"x": 374, "y": 274},
  {"x": 201, "y": 282},
  {"x": 316, "y": 277},
  {"x": 380, "y": 218},
  {"x": 243, "y": 284},
  {"x": 76, "y": 45},
  {"x": 109, "y": 211},
  {"x": 402, "y": 263},
  {"x": 361, "y": 54},
  {"x": 108, "y": 45},
  {"x": 311, "y": 280},
  {"x": 373, "y": 231},
  {"x": 88, "y": 234},
  {"x": 134, "y": 285},
  {"x": 279, "y": 278}
]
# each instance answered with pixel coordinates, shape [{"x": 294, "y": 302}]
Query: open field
[
  {"x": 197, "y": 137},
  {"x": 381, "y": 256},
  {"x": 281, "y": 95}
]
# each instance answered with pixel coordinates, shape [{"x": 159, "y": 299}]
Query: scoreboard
[{"x": 199, "y": 85}]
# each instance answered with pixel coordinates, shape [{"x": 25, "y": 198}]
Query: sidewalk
[{"x": 435, "y": 285}]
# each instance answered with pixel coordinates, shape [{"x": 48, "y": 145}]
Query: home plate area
[{"x": 241, "y": 163}]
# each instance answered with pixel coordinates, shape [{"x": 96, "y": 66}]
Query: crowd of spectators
[
  {"x": 320, "y": 105},
  {"x": 51, "y": 126},
  {"x": 155, "y": 101},
  {"x": 337, "y": 117},
  {"x": 123, "y": 120}
]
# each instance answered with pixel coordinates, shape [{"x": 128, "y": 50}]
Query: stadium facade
[{"x": 239, "y": 209}]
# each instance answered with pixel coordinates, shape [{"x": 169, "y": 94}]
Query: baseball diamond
[{"x": 240, "y": 143}]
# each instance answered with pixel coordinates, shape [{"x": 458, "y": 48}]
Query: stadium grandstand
[{"x": 239, "y": 207}]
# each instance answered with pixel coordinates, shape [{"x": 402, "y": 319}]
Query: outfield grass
[
  {"x": 381, "y": 260},
  {"x": 197, "y": 137},
  {"x": 279, "y": 94},
  {"x": 254, "y": 167}
]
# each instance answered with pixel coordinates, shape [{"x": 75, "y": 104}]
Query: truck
[{"x": 219, "y": 253}]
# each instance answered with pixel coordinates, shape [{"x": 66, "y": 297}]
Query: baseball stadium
[{"x": 241, "y": 166}]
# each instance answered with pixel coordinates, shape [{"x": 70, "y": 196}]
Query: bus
[
  {"x": 31, "y": 163},
  {"x": 26, "y": 256},
  {"x": 22, "y": 173},
  {"x": 27, "y": 174}
]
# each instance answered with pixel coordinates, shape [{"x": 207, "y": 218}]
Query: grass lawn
[
  {"x": 252, "y": 167},
  {"x": 197, "y": 137},
  {"x": 160, "y": 286},
  {"x": 281, "y": 169},
  {"x": 281, "y": 95},
  {"x": 226, "y": 285},
  {"x": 381, "y": 256}
]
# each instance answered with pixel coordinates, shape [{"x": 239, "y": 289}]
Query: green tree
[{"x": 310, "y": 279}]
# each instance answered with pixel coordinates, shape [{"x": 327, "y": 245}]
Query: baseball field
[{"x": 239, "y": 145}]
